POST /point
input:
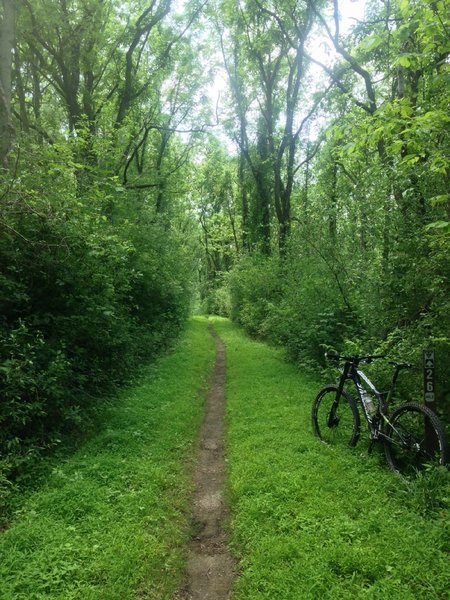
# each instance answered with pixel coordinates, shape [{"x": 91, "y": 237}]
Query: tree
[
  {"x": 7, "y": 43},
  {"x": 267, "y": 68}
]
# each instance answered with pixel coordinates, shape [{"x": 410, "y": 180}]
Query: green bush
[
  {"x": 291, "y": 304},
  {"x": 85, "y": 296},
  {"x": 218, "y": 302},
  {"x": 255, "y": 290}
]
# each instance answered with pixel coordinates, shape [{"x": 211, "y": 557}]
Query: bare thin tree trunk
[{"x": 7, "y": 42}]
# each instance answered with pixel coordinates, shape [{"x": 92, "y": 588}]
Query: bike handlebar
[
  {"x": 355, "y": 360},
  {"x": 399, "y": 366}
]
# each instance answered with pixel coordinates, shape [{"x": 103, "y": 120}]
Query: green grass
[
  {"x": 110, "y": 521},
  {"x": 310, "y": 521}
]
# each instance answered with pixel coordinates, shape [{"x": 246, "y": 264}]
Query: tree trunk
[
  {"x": 261, "y": 224},
  {"x": 20, "y": 93},
  {"x": 244, "y": 202},
  {"x": 283, "y": 236},
  {"x": 7, "y": 42},
  {"x": 332, "y": 218}
]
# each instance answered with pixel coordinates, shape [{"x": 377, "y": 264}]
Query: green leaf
[
  {"x": 371, "y": 43},
  {"x": 410, "y": 159},
  {"x": 439, "y": 226},
  {"x": 403, "y": 61},
  {"x": 440, "y": 199}
]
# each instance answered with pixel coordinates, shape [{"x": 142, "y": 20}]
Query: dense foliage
[
  {"x": 98, "y": 245},
  {"x": 354, "y": 250}
]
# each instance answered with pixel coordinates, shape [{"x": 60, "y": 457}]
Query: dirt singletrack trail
[{"x": 210, "y": 567}]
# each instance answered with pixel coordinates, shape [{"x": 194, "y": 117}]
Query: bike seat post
[{"x": 398, "y": 368}]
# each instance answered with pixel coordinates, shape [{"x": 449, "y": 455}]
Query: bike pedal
[{"x": 371, "y": 445}]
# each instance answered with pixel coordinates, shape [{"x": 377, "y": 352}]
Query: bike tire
[
  {"x": 410, "y": 449},
  {"x": 340, "y": 428}
]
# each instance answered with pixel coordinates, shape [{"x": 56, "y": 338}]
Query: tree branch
[{"x": 356, "y": 67}]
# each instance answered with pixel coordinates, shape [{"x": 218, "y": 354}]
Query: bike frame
[{"x": 351, "y": 372}]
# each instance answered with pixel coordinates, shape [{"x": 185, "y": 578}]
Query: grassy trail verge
[
  {"x": 310, "y": 521},
  {"x": 109, "y": 523}
]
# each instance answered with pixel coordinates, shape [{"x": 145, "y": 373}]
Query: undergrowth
[
  {"x": 312, "y": 521},
  {"x": 109, "y": 522}
]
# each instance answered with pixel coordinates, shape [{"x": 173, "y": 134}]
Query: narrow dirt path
[{"x": 210, "y": 566}]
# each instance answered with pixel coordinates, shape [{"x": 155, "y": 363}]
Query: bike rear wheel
[
  {"x": 416, "y": 439},
  {"x": 335, "y": 422}
]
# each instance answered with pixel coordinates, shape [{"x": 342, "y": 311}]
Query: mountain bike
[{"x": 412, "y": 435}]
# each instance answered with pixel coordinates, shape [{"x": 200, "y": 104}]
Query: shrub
[
  {"x": 255, "y": 289},
  {"x": 84, "y": 298}
]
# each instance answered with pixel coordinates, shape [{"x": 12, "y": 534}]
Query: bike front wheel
[
  {"x": 335, "y": 421},
  {"x": 416, "y": 438}
]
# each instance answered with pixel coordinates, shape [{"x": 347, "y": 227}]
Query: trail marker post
[
  {"x": 429, "y": 395},
  {"x": 429, "y": 379}
]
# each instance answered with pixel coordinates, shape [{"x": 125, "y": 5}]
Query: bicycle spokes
[
  {"x": 415, "y": 439},
  {"x": 335, "y": 418}
]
